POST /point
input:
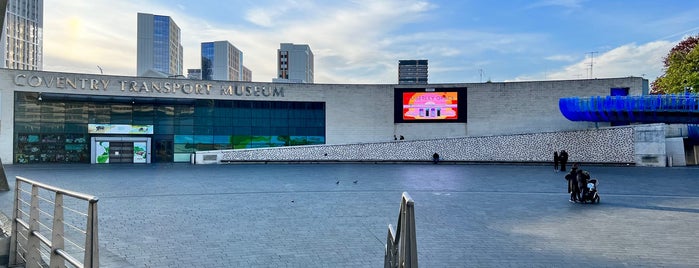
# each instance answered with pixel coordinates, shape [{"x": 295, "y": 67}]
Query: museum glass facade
[{"x": 52, "y": 127}]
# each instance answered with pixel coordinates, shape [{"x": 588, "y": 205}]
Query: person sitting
[{"x": 435, "y": 158}]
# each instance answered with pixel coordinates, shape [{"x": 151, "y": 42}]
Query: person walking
[
  {"x": 564, "y": 159},
  {"x": 555, "y": 161}
]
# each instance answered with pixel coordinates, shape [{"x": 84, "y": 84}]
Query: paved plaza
[{"x": 297, "y": 215}]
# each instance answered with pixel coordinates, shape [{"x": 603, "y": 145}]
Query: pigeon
[
  {"x": 355, "y": 182},
  {"x": 338, "y": 182}
]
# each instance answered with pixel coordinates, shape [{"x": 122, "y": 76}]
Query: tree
[{"x": 681, "y": 69}]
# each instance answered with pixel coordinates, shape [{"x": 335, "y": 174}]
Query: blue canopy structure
[{"x": 671, "y": 109}]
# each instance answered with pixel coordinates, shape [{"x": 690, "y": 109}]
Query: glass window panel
[
  {"x": 185, "y": 121},
  {"x": 279, "y": 122},
  {"x": 221, "y": 139},
  {"x": 205, "y": 146},
  {"x": 204, "y": 108},
  {"x": 223, "y": 121},
  {"x": 261, "y": 122},
  {"x": 52, "y": 127},
  {"x": 225, "y": 130},
  {"x": 76, "y": 118},
  {"x": 25, "y": 116},
  {"x": 242, "y": 130},
  {"x": 203, "y": 130},
  {"x": 184, "y": 138},
  {"x": 75, "y": 128},
  {"x": 281, "y": 131},
  {"x": 242, "y": 112},
  {"x": 53, "y": 107},
  {"x": 204, "y": 121},
  {"x": 76, "y": 108},
  {"x": 223, "y": 146},
  {"x": 184, "y": 148},
  {"x": 181, "y": 158},
  {"x": 261, "y": 131},
  {"x": 184, "y": 130},
  {"x": 163, "y": 129},
  {"x": 242, "y": 121},
  {"x": 203, "y": 139},
  {"x": 27, "y": 126}
]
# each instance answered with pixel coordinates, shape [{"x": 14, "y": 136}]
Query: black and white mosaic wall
[{"x": 605, "y": 145}]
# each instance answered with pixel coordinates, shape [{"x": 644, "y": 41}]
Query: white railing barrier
[
  {"x": 401, "y": 244},
  {"x": 40, "y": 238}
]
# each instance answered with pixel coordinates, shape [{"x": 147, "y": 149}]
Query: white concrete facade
[{"x": 354, "y": 113}]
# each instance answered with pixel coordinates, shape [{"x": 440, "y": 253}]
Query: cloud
[
  {"x": 627, "y": 60},
  {"x": 568, "y": 58}
]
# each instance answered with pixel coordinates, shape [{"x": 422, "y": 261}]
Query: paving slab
[{"x": 297, "y": 215}]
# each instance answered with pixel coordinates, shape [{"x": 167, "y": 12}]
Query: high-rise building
[
  {"x": 412, "y": 72},
  {"x": 22, "y": 34},
  {"x": 159, "y": 47},
  {"x": 294, "y": 64},
  {"x": 194, "y": 74},
  {"x": 221, "y": 60},
  {"x": 247, "y": 74}
]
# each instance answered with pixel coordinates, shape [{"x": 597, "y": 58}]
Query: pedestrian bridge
[{"x": 669, "y": 109}]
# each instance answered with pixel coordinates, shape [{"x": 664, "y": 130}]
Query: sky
[{"x": 361, "y": 41}]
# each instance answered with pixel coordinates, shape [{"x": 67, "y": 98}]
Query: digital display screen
[{"x": 430, "y": 106}]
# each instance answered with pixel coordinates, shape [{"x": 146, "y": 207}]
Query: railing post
[
  {"x": 15, "y": 231},
  {"x": 57, "y": 241},
  {"x": 91, "y": 242},
  {"x": 401, "y": 243},
  {"x": 33, "y": 254},
  {"x": 408, "y": 242}
]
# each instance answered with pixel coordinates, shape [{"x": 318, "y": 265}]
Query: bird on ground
[
  {"x": 355, "y": 182},
  {"x": 338, "y": 182}
]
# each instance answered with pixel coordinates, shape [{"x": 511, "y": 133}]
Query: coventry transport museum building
[{"x": 50, "y": 117}]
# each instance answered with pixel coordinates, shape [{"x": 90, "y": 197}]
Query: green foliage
[{"x": 682, "y": 69}]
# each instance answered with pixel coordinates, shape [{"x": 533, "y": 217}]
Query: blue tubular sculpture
[{"x": 672, "y": 109}]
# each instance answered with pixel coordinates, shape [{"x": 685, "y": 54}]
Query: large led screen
[{"x": 430, "y": 105}]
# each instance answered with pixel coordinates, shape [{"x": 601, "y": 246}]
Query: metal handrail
[
  {"x": 401, "y": 243},
  {"x": 27, "y": 250}
]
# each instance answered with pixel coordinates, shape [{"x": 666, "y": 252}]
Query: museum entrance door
[
  {"x": 113, "y": 149},
  {"x": 121, "y": 152}
]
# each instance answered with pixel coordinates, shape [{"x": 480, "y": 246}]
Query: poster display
[
  {"x": 119, "y": 129},
  {"x": 102, "y": 152},
  {"x": 139, "y": 152}
]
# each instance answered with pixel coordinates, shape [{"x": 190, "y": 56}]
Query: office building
[
  {"x": 159, "y": 47},
  {"x": 221, "y": 60},
  {"x": 412, "y": 72},
  {"x": 294, "y": 64},
  {"x": 194, "y": 74},
  {"x": 247, "y": 74},
  {"x": 22, "y": 34}
]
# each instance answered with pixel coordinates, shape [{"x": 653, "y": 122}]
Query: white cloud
[
  {"x": 567, "y": 58},
  {"x": 627, "y": 60}
]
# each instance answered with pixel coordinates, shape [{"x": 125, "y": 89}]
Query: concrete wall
[
  {"x": 650, "y": 145},
  {"x": 530, "y": 107},
  {"x": 614, "y": 145},
  {"x": 674, "y": 148}
]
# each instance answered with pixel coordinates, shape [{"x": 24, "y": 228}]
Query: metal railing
[
  {"x": 401, "y": 244},
  {"x": 65, "y": 238}
]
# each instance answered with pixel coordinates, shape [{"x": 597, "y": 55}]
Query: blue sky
[{"x": 361, "y": 41}]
